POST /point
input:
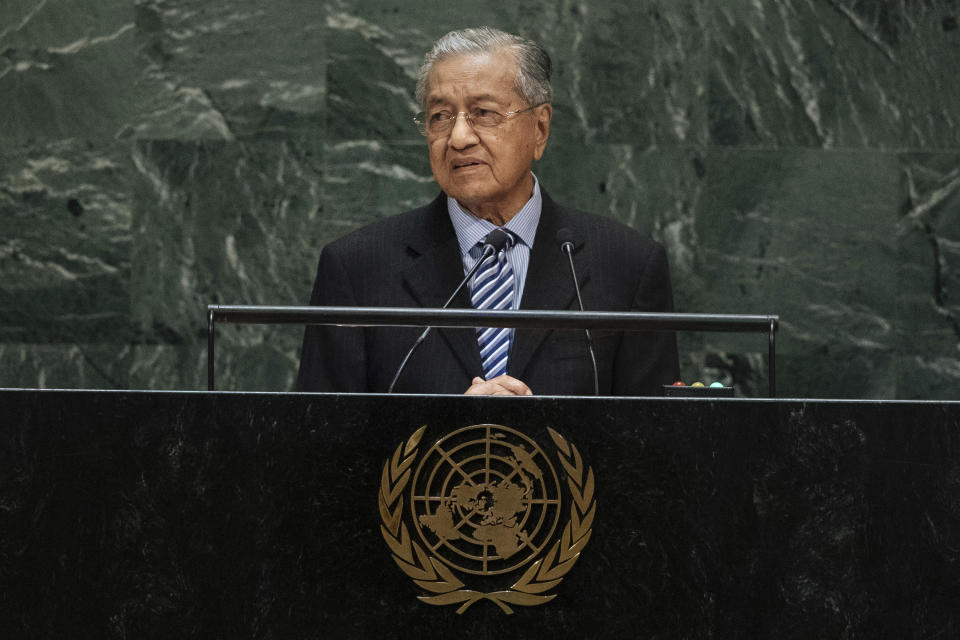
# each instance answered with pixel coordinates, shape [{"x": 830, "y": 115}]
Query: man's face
[{"x": 486, "y": 170}]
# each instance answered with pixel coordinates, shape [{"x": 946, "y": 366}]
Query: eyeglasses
[{"x": 441, "y": 123}]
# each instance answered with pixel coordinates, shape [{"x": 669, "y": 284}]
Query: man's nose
[{"x": 462, "y": 135}]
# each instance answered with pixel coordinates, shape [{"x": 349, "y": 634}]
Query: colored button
[
  {"x": 716, "y": 385},
  {"x": 679, "y": 383},
  {"x": 697, "y": 384}
]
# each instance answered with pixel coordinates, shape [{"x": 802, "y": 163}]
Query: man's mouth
[{"x": 466, "y": 164}]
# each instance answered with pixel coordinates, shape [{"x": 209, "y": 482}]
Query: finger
[
  {"x": 503, "y": 391},
  {"x": 480, "y": 387},
  {"x": 516, "y": 387},
  {"x": 489, "y": 388}
]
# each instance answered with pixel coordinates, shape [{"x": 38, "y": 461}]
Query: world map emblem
[{"x": 486, "y": 504}]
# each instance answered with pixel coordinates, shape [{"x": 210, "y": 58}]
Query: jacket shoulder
[
  {"x": 610, "y": 235},
  {"x": 413, "y": 224}
]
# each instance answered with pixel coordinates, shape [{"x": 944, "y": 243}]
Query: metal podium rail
[{"x": 468, "y": 318}]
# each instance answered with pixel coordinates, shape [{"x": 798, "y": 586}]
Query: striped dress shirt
[{"x": 470, "y": 230}]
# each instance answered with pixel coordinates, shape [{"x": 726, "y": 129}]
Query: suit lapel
[
  {"x": 436, "y": 271},
  {"x": 549, "y": 284}
]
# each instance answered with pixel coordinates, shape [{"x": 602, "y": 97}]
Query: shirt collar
[{"x": 470, "y": 229}]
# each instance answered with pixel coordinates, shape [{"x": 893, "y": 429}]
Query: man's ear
[{"x": 543, "y": 114}]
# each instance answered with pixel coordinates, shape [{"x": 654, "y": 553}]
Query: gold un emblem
[{"x": 485, "y": 502}]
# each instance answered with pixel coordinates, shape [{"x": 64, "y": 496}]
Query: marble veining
[{"x": 794, "y": 157}]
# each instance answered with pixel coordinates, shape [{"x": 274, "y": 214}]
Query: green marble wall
[{"x": 799, "y": 157}]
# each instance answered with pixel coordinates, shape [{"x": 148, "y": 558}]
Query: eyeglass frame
[{"x": 420, "y": 119}]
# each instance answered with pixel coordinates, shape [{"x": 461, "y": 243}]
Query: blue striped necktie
[{"x": 493, "y": 288}]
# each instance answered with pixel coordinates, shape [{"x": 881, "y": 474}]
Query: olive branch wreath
[{"x": 434, "y": 576}]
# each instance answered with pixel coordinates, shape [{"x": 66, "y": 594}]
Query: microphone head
[
  {"x": 497, "y": 239},
  {"x": 566, "y": 239}
]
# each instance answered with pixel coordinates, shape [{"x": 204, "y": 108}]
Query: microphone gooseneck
[
  {"x": 497, "y": 239},
  {"x": 567, "y": 242},
  {"x": 494, "y": 243}
]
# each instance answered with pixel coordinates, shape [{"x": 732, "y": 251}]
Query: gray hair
[{"x": 533, "y": 61}]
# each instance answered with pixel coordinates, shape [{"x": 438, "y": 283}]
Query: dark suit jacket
[{"x": 413, "y": 260}]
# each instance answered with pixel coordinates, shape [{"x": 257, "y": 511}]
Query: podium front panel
[{"x": 166, "y": 514}]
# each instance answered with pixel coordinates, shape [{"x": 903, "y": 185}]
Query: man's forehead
[
  {"x": 476, "y": 77},
  {"x": 439, "y": 98}
]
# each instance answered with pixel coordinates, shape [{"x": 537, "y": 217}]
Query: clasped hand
[{"x": 502, "y": 385}]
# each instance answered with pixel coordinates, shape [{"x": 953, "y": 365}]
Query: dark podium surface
[{"x": 216, "y": 515}]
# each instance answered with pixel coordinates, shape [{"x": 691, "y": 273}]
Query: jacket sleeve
[
  {"x": 332, "y": 358},
  {"x": 648, "y": 360}
]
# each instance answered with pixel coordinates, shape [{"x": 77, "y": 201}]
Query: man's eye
[
  {"x": 486, "y": 117},
  {"x": 440, "y": 116}
]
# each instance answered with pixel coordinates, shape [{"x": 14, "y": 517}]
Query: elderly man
[{"x": 486, "y": 100}]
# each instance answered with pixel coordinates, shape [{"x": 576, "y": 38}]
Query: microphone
[
  {"x": 567, "y": 242},
  {"x": 494, "y": 243}
]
